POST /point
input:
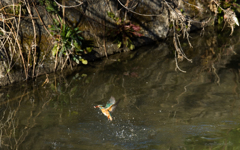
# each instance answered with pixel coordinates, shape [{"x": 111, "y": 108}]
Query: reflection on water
[{"x": 160, "y": 108}]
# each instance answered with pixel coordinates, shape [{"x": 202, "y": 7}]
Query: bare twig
[
  {"x": 104, "y": 40},
  {"x": 12, "y": 36},
  {"x": 136, "y": 12},
  {"x": 41, "y": 20},
  {"x": 56, "y": 59},
  {"x": 34, "y": 42},
  {"x": 15, "y": 35},
  {"x": 192, "y": 5},
  {"x": 80, "y": 3},
  {"x": 214, "y": 71},
  {"x": 176, "y": 61},
  {"x": 46, "y": 81}
]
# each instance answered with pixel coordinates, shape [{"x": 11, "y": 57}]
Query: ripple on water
[{"x": 123, "y": 134}]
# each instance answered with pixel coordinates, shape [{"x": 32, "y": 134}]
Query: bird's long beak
[{"x": 96, "y": 106}]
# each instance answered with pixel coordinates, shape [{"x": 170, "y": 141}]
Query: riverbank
[{"x": 42, "y": 36}]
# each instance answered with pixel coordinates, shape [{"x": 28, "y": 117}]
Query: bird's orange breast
[{"x": 106, "y": 113}]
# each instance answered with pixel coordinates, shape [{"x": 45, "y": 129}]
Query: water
[{"x": 159, "y": 108}]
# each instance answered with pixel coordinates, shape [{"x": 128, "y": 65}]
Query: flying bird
[{"x": 110, "y": 106}]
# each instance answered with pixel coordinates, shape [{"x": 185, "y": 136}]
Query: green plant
[
  {"x": 51, "y": 6},
  {"x": 124, "y": 32},
  {"x": 68, "y": 42}
]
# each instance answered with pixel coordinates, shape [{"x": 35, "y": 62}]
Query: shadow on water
[{"x": 159, "y": 109}]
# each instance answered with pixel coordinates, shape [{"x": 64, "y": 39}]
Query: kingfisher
[{"x": 110, "y": 106}]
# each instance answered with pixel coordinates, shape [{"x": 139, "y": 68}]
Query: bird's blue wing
[{"x": 110, "y": 102}]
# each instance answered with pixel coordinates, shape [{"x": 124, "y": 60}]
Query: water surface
[{"x": 160, "y": 108}]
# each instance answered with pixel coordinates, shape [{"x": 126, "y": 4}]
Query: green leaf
[
  {"x": 62, "y": 34},
  {"x": 52, "y": 33},
  {"x": 41, "y": 2},
  {"x": 55, "y": 50},
  {"x": 75, "y": 43},
  {"x": 219, "y": 10},
  {"x": 75, "y": 29},
  {"x": 89, "y": 49},
  {"x": 55, "y": 21},
  {"x": 69, "y": 33},
  {"x": 79, "y": 37},
  {"x": 111, "y": 15},
  {"x": 78, "y": 50},
  {"x": 63, "y": 49},
  {"x": 59, "y": 17},
  {"x": 76, "y": 60},
  {"x": 85, "y": 62},
  {"x": 50, "y": 9},
  {"x": 119, "y": 44},
  {"x": 84, "y": 75},
  {"x": 131, "y": 47},
  {"x": 220, "y": 20},
  {"x": 52, "y": 28},
  {"x": 64, "y": 29}
]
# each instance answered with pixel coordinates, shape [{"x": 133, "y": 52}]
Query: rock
[{"x": 92, "y": 19}]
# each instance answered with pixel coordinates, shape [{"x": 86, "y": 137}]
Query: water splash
[{"x": 120, "y": 133}]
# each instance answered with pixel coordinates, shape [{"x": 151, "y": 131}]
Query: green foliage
[
  {"x": 68, "y": 42},
  {"x": 231, "y": 3},
  {"x": 220, "y": 19},
  {"x": 50, "y": 5},
  {"x": 15, "y": 9},
  {"x": 124, "y": 32}
]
